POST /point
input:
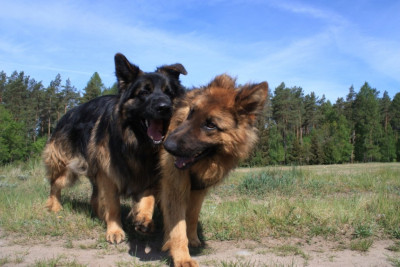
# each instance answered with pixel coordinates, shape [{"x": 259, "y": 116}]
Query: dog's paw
[
  {"x": 115, "y": 236},
  {"x": 144, "y": 225},
  {"x": 53, "y": 205},
  {"x": 186, "y": 263}
]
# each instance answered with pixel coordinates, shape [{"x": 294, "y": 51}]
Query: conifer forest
[{"x": 295, "y": 128}]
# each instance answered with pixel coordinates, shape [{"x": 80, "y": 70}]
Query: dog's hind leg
[
  {"x": 66, "y": 179},
  {"x": 54, "y": 201},
  {"x": 58, "y": 174}
]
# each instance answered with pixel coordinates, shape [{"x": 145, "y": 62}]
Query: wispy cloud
[{"x": 326, "y": 49}]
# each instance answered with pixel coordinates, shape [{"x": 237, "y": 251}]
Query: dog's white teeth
[
  {"x": 157, "y": 142},
  {"x": 146, "y": 122}
]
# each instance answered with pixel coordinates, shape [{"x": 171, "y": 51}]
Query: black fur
[{"x": 121, "y": 123}]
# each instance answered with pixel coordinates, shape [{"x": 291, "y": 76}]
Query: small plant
[
  {"x": 395, "y": 247},
  {"x": 287, "y": 250},
  {"x": 396, "y": 233},
  {"x": 394, "y": 261},
  {"x": 361, "y": 245},
  {"x": 238, "y": 263},
  {"x": 362, "y": 231}
]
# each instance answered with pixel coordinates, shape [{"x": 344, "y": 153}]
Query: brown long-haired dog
[{"x": 211, "y": 130}]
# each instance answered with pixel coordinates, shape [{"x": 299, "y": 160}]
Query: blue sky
[{"x": 321, "y": 46}]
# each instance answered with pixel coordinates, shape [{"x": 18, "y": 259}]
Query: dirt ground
[{"x": 15, "y": 251}]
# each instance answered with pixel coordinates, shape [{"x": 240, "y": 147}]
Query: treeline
[
  {"x": 294, "y": 129},
  {"x": 306, "y": 129},
  {"x": 29, "y": 111}
]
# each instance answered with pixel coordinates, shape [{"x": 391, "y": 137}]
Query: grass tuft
[{"x": 361, "y": 245}]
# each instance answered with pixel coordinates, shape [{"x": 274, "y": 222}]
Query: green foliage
[
  {"x": 293, "y": 129},
  {"x": 12, "y": 143},
  {"x": 113, "y": 90},
  {"x": 93, "y": 89}
]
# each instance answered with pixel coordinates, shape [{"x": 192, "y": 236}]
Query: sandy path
[{"x": 317, "y": 252}]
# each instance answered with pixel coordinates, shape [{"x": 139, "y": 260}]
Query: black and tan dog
[
  {"x": 115, "y": 141},
  {"x": 211, "y": 130}
]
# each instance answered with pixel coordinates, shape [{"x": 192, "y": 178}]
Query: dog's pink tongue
[
  {"x": 182, "y": 162},
  {"x": 155, "y": 130}
]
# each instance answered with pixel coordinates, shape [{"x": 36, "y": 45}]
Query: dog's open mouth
[
  {"x": 156, "y": 130},
  {"x": 185, "y": 162}
]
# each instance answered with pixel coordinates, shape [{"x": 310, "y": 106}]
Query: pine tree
[
  {"x": 69, "y": 96},
  {"x": 311, "y": 115},
  {"x": 395, "y": 122},
  {"x": 51, "y": 104},
  {"x": 276, "y": 152},
  {"x": 384, "y": 106},
  {"x": 368, "y": 128},
  {"x": 93, "y": 89},
  {"x": 3, "y": 81},
  {"x": 316, "y": 150},
  {"x": 113, "y": 90}
]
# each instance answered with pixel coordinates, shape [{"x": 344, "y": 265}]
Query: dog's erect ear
[
  {"x": 250, "y": 99},
  {"x": 173, "y": 70},
  {"x": 125, "y": 71}
]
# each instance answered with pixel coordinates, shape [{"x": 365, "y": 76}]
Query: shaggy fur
[
  {"x": 211, "y": 130},
  {"x": 115, "y": 141}
]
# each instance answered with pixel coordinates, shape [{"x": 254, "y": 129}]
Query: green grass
[
  {"x": 361, "y": 245},
  {"x": 22, "y": 208},
  {"x": 355, "y": 204},
  {"x": 57, "y": 261},
  {"x": 356, "y": 201}
]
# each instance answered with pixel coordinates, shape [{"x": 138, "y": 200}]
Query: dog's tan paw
[
  {"x": 115, "y": 236},
  {"x": 144, "y": 225},
  {"x": 53, "y": 205},
  {"x": 186, "y": 263}
]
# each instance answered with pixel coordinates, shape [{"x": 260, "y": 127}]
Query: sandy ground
[{"x": 15, "y": 251}]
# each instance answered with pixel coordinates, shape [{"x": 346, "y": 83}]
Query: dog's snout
[
  {"x": 170, "y": 145},
  {"x": 164, "y": 108}
]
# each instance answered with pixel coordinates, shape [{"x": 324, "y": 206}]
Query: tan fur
[
  {"x": 58, "y": 173},
  {"x": 234, "y": 111},
  {"x": 63, "y": 171},
  {"x": 115, "y": 140},
  {"x": 143, "y": 210}
]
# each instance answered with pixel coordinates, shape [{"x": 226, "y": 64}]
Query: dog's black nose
[
  {"x": 170, "y": 145},
  {"x": 164, "y": 108}
]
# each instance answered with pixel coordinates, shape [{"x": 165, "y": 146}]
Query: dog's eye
[
  {"x": 144, "y": 92},
  {"x": 209, "y": 125}
]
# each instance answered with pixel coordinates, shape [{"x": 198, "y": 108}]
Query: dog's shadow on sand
[
  {"x": 148, "y": 247},
  {"x": 144, "y": 247}
]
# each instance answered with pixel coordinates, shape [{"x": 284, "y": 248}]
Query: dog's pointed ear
[
  {"x": 250, "y": 99},
  {"x": 125, "y": 71},
  {"x": 173, "y": 70}
]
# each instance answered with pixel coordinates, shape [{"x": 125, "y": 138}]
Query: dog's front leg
[
  {"x": 106, "y": 202},
  {"x": 175, "y": 195},
  {"x": 143, "y": 210},
  {"x": 192, "y": 216}
]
